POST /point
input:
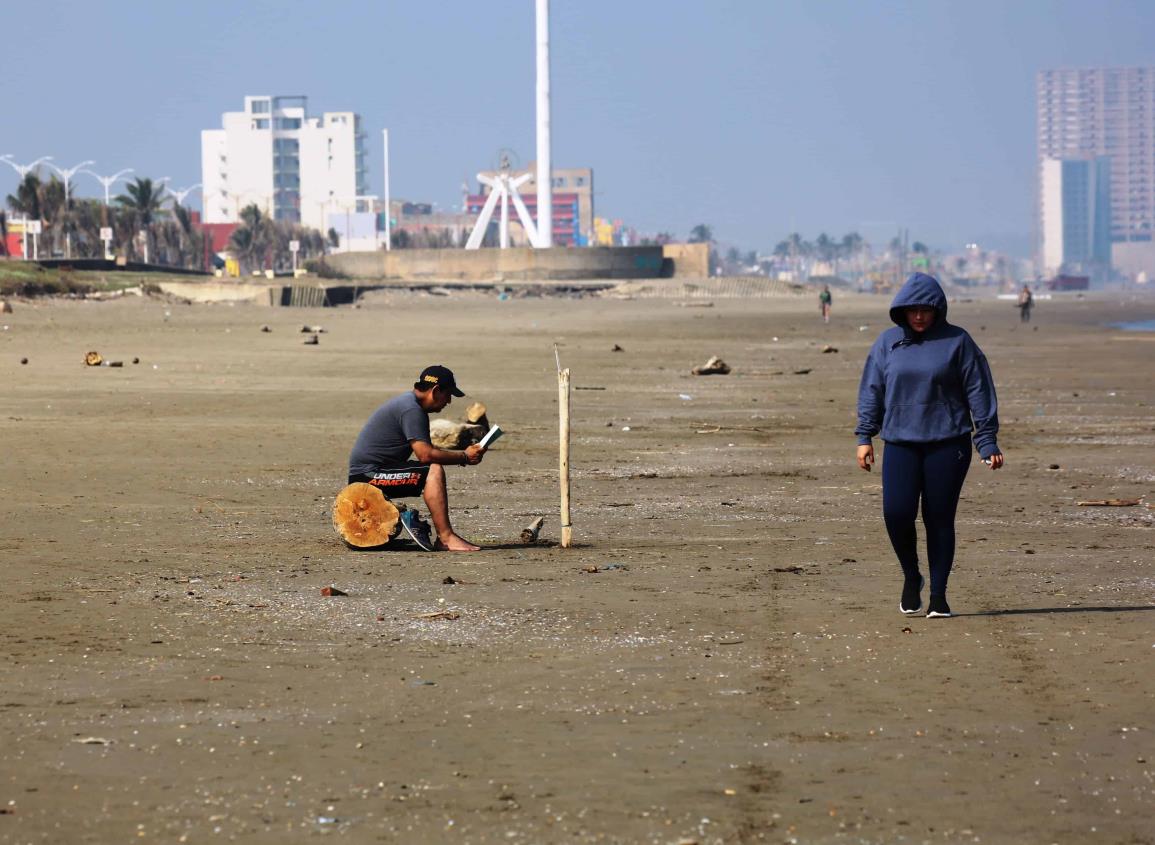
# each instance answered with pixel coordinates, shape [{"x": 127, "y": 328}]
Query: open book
[{"x": 490, "y": 436}]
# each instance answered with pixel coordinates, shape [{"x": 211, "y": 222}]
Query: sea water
[{"x": 1136, "y": 326}]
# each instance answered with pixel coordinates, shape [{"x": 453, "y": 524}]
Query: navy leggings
[{"x": 933, "y": 472}]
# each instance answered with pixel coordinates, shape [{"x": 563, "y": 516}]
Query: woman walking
[{"x": 925, "y": 387}]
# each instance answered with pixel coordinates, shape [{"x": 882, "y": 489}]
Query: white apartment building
[
  {"x": 1085, "y": 113},
  {"x": 293, "y": 167}
]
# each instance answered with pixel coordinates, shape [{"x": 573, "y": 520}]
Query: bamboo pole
[{"x": 563, "y": 394}]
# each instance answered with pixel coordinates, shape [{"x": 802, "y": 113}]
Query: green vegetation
[{"x": 26, "y": 279}]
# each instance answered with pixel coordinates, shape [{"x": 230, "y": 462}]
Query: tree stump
[{"x": 364, "y": 518}]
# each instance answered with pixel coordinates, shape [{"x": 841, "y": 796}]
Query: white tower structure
[
  {"x": 544, "y": 162},
  {"x": 504, "y": 186}
]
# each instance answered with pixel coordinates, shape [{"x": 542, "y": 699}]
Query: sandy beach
[{"x": 735, "y": 670}]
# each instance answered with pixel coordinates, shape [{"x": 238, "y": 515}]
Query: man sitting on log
[{"x": 399, "y": 427}]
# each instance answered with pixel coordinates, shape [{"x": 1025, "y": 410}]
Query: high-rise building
[
  {"x": 1076, "y": 216},
  {"x": 1086, "y": 113},
  {"x": 293, "y": 167}
]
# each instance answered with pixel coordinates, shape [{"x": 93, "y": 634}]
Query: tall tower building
[
  {"x": 293, "y": 167},
  {"x": 1087, "y": 113}
]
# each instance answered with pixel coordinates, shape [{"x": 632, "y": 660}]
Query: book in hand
[{"x": 490, "y": 436}]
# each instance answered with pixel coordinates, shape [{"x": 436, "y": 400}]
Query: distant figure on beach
[
  {"x": 399, "y": 428},
  {"x": 925, "y": 387},
  {"x": 1026, "y": 303},
  {"x": 825, "y": 300}
]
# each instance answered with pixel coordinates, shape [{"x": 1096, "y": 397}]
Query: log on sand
[
  {"x": 364, "y": 518},
  {"x": 447, "y": 434},
  {"x": 530, "y": 532}
]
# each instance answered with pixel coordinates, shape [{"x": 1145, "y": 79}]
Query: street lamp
[
  {"x": 66, "y": 173},
  {"x": 24, "y": 170},
  {"x": 108, "y": 181},
  {"x": 181, "y": 194}
]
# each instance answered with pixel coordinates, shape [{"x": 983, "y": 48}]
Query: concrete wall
[
  {"x": 690, "y": 260},
  {"x": 496, "y": 265},
  {"x": 213, "y": 291}
]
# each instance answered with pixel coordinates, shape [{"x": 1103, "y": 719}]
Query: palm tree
[
  {"x": 143, "y": 200},
  {"x": 701, "y": 234}
]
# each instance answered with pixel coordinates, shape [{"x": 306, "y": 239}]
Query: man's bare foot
[{"x": 456, "y": 544}]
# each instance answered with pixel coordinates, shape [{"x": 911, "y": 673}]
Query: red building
[{"x": 566, "y": 219}]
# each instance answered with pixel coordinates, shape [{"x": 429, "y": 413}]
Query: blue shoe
[
  {"x": 911, "y": 601},
  {"x": 417, "y": 529}
]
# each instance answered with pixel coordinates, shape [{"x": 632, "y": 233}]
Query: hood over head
[{"x": 920, "y": 289}]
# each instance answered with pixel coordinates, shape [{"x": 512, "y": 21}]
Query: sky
[{"x": 755, "y": 117}]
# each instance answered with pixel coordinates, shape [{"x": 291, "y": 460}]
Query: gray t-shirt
[{"x": 384, "y": 441}]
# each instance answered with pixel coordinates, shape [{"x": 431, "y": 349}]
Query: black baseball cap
[{"x": 438, "y": 376}]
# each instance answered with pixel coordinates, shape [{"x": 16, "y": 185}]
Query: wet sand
[{"x": 736, "y": 671}]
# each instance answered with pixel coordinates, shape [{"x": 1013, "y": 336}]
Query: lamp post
[
  {"x": 66, "y": 173},
  {"x": 181, "y": 194},
  {"x": 107, "y": 182},
  {"x": 24, "y": 170}
]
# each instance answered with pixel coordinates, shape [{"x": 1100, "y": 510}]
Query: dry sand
[{"x": 736, "y": 672}]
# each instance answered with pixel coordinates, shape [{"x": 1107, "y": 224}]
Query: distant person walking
[
  {"x": 1026, "y": 303},
  {"x": 925, "y": 387},
  {"x": 825, "y": 300}
]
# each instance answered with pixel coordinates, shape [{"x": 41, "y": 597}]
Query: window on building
[
  {"x": 287, "y": 123},
  {"x": 260, "y": 106},
  {"x": 261, "y": 123},
  {"x": 580, "y": 181}
]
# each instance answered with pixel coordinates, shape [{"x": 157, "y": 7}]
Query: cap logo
[{"x": 432, "y": 379}]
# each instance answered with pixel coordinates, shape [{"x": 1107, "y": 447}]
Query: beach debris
[
  {"x": 908, "y": 630},
  {"x": 625, "y": 428},
  {"x": 332, "y": 592},
  {"x": 5, "y": 307},
  {"x": 92, "y": 740},
  {"x": 448, "y": 579},
  {"x": 23, "y": 360},
  {"x": 685, "y": 397},
  {"x": 715, "y": 366},
  {"x": 616, "y": 567},
  {"x": 617, "y": 349},
  {"x": 1108, "y": 503},
  {"x": 694, "y": 304},
  {"x": 266, "y": 328},
  {"x": 447, "y": 615},
  {"x": 113, "y": 364},
  {"x": 827, "y": 349},
  {"x": 312, "y": 329},
  {"x": 1054, "y": 466},
  {"x": 801, "y": 372},
  {"x": 587, "y": 387},
  {"x": 93, "y": 359},
  {"x": 135, "y": 360},
  {"x": 530, "y": 532},
  {"x": 793, "y": 570},
  {"x": 312, "y": 341},
  {"x": 863, "y": 328}
]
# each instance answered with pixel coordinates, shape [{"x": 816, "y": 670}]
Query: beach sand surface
[{"x": 735, "y": 670}]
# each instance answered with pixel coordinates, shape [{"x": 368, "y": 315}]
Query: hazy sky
[{"x": 756, "y": 117}]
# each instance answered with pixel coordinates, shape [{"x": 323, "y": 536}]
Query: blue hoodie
[{"x": 921, "y": 387}]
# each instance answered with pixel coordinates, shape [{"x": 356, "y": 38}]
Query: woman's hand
[
  {"x": 994, "y": 461},
  {"x": 866, "y": 457}
]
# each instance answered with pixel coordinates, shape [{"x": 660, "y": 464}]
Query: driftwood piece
[
  {"x": 363, "y": 517},
  {"x": 530, "y": 532},
  {"x": 1108, "y": 503},
  {"x": 5, "y": 306},
  {"x": 475, "y": 415},
  {"x": 714, "y": 367}
]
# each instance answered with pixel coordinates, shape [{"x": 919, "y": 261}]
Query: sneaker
[
  {"x": 939, "y": 609},
  {"x": 911, "y": 601},
  {"x": 417, "y": 529}
]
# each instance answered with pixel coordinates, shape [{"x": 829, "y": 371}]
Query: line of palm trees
[
  {"x": 149, "y": 227},
  {"x": 143, "y": 228}
]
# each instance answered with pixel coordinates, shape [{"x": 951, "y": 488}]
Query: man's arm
[{"x": 427, "y": 453}]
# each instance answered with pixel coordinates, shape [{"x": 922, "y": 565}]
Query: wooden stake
[{"x": 563, "y": 464}]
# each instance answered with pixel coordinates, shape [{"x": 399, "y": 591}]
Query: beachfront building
[
  {"x": 293, "y": 167},
  {"x": 1075, "y": 216},
  {"x": 1085, "y": 113}
]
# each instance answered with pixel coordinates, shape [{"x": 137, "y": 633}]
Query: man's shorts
[{"x": 408, "y": 480}]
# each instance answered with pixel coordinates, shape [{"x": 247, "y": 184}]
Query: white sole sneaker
[
  {"x": 903, "y": 610},
  {"x": 421, "y": 537}
]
